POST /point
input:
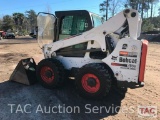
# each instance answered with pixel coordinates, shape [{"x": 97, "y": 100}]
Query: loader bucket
[{"x": 25, "y": 72}]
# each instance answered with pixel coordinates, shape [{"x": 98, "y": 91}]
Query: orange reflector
[
  {"x": 123, "y": 53},
  {"x": 143, "y": 60}
]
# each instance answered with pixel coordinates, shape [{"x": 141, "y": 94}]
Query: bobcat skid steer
[{"x": 77, "y": 44}]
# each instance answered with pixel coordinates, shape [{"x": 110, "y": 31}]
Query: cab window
[
  {"x": 72, "y": 25},
  {"x": 96, "y": 20}
]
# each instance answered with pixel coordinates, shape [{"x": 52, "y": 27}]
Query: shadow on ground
[{"x": 38, "y": 97}]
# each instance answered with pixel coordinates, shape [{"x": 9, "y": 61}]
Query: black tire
[
  {"x": 55, "y": 71},
  {"x": 90, "y": 71},
  {"x": 114, "y": 80}
]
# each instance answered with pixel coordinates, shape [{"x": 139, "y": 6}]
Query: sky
[{"x": 11, "y": 6}]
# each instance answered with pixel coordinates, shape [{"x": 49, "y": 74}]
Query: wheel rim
[
  {"x": 47, "y": 74},
  {"x": 90, "y": 83}
]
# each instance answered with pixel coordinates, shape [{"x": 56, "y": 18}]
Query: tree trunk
[
  {"x": 107, "y": 10},
  {"x": 142, "y": 8},
  {"x": 151, "y": 9},
  {"x": 136, "y": 5},
  {"x": 147, "y": 9}
]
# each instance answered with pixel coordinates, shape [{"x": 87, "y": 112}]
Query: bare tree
[
  {"x": 110, "y": 6},
  {"x": 115, "y": 6},
  {"x": 152, "y": 3},
  {"x": 48, "y": 9}
]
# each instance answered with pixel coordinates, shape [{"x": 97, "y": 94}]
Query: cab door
[
  {"x": 46, "y": 23},
  {"x": 71, "y": 24}
]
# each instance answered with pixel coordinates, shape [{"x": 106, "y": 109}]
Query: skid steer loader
[
  {"x": 78, "y": 44},
  {"x": 94, "y": 53}
]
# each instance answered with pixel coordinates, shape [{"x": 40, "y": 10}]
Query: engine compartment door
[{"x": 46, "y": 28}]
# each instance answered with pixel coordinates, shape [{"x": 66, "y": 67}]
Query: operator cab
[
  {"x": 71, "y": 23},
  {"x": 66, "y": 24}
]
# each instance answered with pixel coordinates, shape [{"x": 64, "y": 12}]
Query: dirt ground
[{"x": 126, "y": 102}]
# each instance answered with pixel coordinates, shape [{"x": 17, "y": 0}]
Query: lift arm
[{"x": 98, "y": 34}]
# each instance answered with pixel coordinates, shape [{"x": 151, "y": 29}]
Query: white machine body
[{"x": 124, "y": 60}]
